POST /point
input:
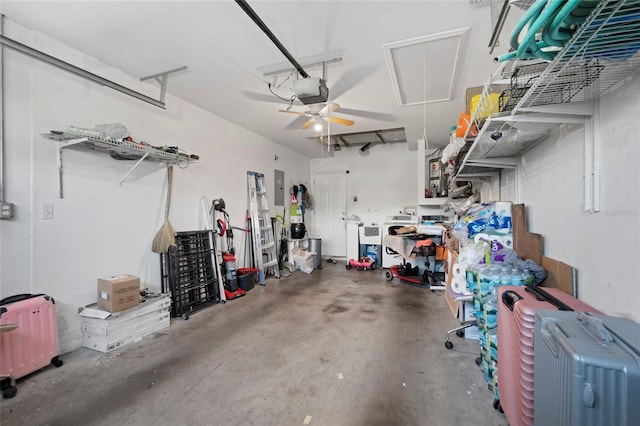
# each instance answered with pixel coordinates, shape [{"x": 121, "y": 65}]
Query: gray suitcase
[{"x": 587, "y": 369}]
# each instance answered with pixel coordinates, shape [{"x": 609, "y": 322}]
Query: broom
[{"x": 165, "y": 237}]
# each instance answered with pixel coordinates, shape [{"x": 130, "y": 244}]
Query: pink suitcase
[
  {"x": 516, "y": 328},
  {"x": 33, "y": 344}
]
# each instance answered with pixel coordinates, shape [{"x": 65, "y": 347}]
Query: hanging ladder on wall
[{"x": 266, "y": 259}]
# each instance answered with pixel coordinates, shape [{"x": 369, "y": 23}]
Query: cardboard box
[
  {"x": 452, "y": 243},
  {"x": 470, "y": 93},
  {"x": 118, "y": 293},
  {"x": 477, "y": 90},
  {"x": 468, "y": 314}
]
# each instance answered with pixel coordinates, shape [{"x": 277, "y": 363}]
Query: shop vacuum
[{"x": 228, "y": 265}]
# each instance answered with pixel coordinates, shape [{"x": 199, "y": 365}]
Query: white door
[{"x": 330, "y": 198}]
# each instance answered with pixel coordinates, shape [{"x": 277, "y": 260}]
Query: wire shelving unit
[
  {"x": 120, "y": 149},
  {"x": 535, "y": 96},
  {"x": 595, "y": 61}
]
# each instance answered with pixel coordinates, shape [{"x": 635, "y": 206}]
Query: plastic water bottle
[
  {"x": 477, "y": 298},
  {"x": 505, "y": 276},
  {"x": 489, "y": 369},
  {"x": 489, "y": 278},
  {"x": 517, "y": 278},
  {"x": 492, "y": 343},
  {"x": 529, "y": 278},
  {"x": 489, "y": 318},
  {"x": 471, "y": 275}
]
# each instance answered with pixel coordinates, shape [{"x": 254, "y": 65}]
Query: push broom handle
[{"x": 169, "y": 187}]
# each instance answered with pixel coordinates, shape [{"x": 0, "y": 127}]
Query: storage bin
[
  {"x": 246, "y": 278},
  {"x": 488, "y": 107}
]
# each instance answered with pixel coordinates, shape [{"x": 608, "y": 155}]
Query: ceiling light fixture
[{"x": 317, "y": 127}]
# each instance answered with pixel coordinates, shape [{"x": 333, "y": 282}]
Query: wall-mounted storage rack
[
  {"x": 120, "y": 149},
  {"x": 541, "y": 96},
  {"x": 595, "y": 61}
]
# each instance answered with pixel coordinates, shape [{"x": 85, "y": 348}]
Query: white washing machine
[{"x": 395, "y": 222}]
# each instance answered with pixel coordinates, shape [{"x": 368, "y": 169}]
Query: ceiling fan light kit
[{"x": 319, "y": 112}]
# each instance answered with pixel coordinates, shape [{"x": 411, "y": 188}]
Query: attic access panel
[
  {"x": 383, "y": 136},
  {"x": 425, "y": 69}
]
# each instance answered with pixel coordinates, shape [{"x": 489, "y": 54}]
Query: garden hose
[{"x": 549, "y": 25}]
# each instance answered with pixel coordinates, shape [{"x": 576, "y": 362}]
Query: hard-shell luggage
[
  {"x": 587, "y": 369},
  {"x": 33, "y": 343},
  {"x": 516, "y": 326}
]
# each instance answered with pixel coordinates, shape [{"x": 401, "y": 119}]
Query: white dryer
[{"x": 392, "y": 223}]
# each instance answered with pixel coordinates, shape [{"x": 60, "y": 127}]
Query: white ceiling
[{"x": 223, "y": 50}]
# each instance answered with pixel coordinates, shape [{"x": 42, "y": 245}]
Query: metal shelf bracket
[
  {"x": 162, "y": 78},
  {"x": 146, "y": 154},
  {"x": 61, "y": 145}
]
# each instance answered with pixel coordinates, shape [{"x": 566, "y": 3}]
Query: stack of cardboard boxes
[{"x": 120, "y": 317}]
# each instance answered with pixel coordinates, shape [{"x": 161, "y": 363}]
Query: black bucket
[
  {"x": 246, "y": 278},
  {"x": 297, "y": 231}
]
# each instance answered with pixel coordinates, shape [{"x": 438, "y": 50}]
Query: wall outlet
[
  {"x": 47, "y": 211},
  {"x": 6, "y": 210}
]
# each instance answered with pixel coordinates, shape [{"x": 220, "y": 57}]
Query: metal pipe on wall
[
  {"x": 1, "y": 112},
  {"x": 29, "y": 51}
]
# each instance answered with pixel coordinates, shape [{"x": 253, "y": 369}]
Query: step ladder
[{"x": 263, "y": 239}]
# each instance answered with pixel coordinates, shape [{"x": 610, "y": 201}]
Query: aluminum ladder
[{"x": 263, "y": 238}]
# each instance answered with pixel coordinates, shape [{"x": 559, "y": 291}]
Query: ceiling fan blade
[
  {"x": 308, "y": 124},
  {"x": 343, "y": 121},
  {"x": 262, "y": 97},
  {"x": 368, "y": 114},
  {"x": 349, "y": 79},
  {"x": 292, "y": 112},
  {"x": 296, "y": 123},
  {"x": 329, "y": 108}
]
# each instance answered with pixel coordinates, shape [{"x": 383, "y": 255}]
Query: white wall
[
  {"x": 603, "y": 246},
  {"x": 101, "y": 228},
  {"x": 383, "y": 178}
]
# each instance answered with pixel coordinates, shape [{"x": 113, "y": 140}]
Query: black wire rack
[
  {"x": 572, "y": 83},
  {"x": 520, "y": 81},
  {"x": 189, "y": 273}
]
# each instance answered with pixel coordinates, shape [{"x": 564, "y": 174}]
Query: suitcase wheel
[
  {"x": 9, "y": 392},
  {"x": 57, "y": 361},
  {"x": 448, "y": 344},
  {"x": 497, "y": 405},
  {"x": 478, "y": 360}
]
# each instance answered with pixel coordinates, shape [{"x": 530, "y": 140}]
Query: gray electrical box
[{"x": 6, "y": 210}]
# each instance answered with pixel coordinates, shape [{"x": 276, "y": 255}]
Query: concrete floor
[{"x": 342, "y": 347}]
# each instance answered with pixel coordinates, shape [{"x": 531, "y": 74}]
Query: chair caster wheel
[{"x": 448, "y": 344}]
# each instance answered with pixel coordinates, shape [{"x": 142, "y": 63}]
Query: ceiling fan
[{"x": 317, "y": 113}]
